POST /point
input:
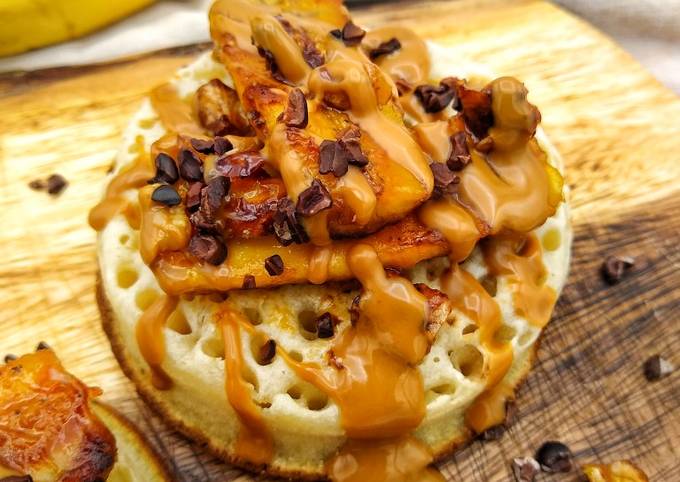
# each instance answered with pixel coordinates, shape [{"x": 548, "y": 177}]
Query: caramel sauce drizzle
[
  {"x": 114, "y": 201},
  {"x": 510, "y": 188},
  {"x": 456, "y": 225},
  {"x": 344, "y": 74},
  {"x": 519, "y": 259},
  {"x": 358, "y": 195},
  {"x": 254, "y": 442},
  {"x": 410, "y": 64},
  {"x": 317, "y": 272},
  {"x": 433, "y": 138},
  {"x": 468, "y": 296},
  {"x": 270, "y": 35},
  {"x": 151, "y": 340},
  {"x": 176, "y": 115},
  {"x": 162, "y": 228},
  {"x": 404, "y": 459},
  {"x": 374, "y": 381}
]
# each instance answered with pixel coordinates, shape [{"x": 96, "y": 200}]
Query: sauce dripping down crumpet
[
  {"x": 374, "y": 381},
  {"x": 115, "y": 201},
  {"x": 254, "y": 442},
  {"x": 151, "y": 340},
  {"x": 518, "y": 260},
  {"x": 176, "y": 116},
  {"x": 404, "y": 459}
]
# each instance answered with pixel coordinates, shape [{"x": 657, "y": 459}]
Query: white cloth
[
  {"x": 648, "y": 29},
  {"x": 168, "y": 23}
]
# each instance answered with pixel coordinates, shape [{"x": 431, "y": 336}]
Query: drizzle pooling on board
[{"x": 374, "y": 379}]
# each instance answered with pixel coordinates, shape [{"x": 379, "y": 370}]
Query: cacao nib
[
  {"x": 554, "y": 457},
  {"x": 166, "y": 170},
  {"x": 460, "y": 155},
  {"x": 476, "y": 107},
  {"x": 190, "y": 168},
  {"x": 267, "y": 352},
  {"x": 656, "y": 368},
  {"x": 56, "y": 183},
  {"x": 208, "y": 248},
  {"x": 248, "y": 282},
  {"x": 274, "y": 265},
  {"x": 193, "y": 197},
  {"x": 615, "y": 267},
  {"x": 222, "y": 145},
  {"x": 295, "y": 114},
  {"x": 333, "y": 158},
  {"x": 435, "y": 99},
  {"x": 352, "y": 34},
  {"x": 166, "y": 195},
  {"x": 204, "y": 146},
  {"x": 385, "y": 48},
  {"x": 325, "y": 325},
  {"x": 287, "y": 227},
  {"x": 314, "y": 199}
]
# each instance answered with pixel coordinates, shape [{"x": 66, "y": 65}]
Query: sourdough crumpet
[{"x": 327, "y": 249}]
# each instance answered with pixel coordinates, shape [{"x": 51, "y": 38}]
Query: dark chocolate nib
[
  {"x": 274, "y": 265},
  {"x": 314, "y": 199},
  {"x": 166, "y": 195},
  {"x": 656, "y": 368},
  {"x": 615, "y": 267},
  {"x": 385, "y": 48},
  {"x": 295, "y": 114},
  {"x": 208, "y": 248},
  {"x": 166, "y": 170},
  {"x": 554, "y": 457}
]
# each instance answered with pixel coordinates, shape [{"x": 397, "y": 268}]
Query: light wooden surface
[{"x": 617, "y": 128}]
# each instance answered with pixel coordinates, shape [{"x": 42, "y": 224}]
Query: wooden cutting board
[{"x": 617, "y": 128}]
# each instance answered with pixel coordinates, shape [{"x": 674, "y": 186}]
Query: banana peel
[{"x": 30, "y": 24}]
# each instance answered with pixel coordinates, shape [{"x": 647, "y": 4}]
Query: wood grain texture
[{"x": 616, "y": 127}]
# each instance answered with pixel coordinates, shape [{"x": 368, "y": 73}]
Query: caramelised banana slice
[
  {"x": 349, "y": 136},
  {"x": 52, "y": 430},
  {"x": 47, "y": 428}
]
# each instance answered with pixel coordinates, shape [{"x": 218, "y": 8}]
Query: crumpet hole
[
  {"x": 505, "y": 333},
  {"x": 295, "y": 392},
  {"x": 295, "y": 355},
  {"x": 317, "y": 402},
  {"x": 469, "y": 360},
  {"x": 178, "y": 323},
  {"x": 551, "y": 239},
  {"x": 471, "y": 328},
  {"x": 213, "y": 347},
  {"x": 307, "y": 324},
  {"x": 253, "y": 315},
  {"x": 124, "y": 238},
  {"x": 146, "y": 298},
  {"x": 259, "y": 348},
  {"x": 445, "y": 389},
  {"x": 127, "y": 276}
]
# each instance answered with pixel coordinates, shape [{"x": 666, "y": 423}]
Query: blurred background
[{"x": 44, "y": 34}]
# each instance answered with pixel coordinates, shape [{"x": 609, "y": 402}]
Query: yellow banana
[{"x": 29, "y": 24}]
